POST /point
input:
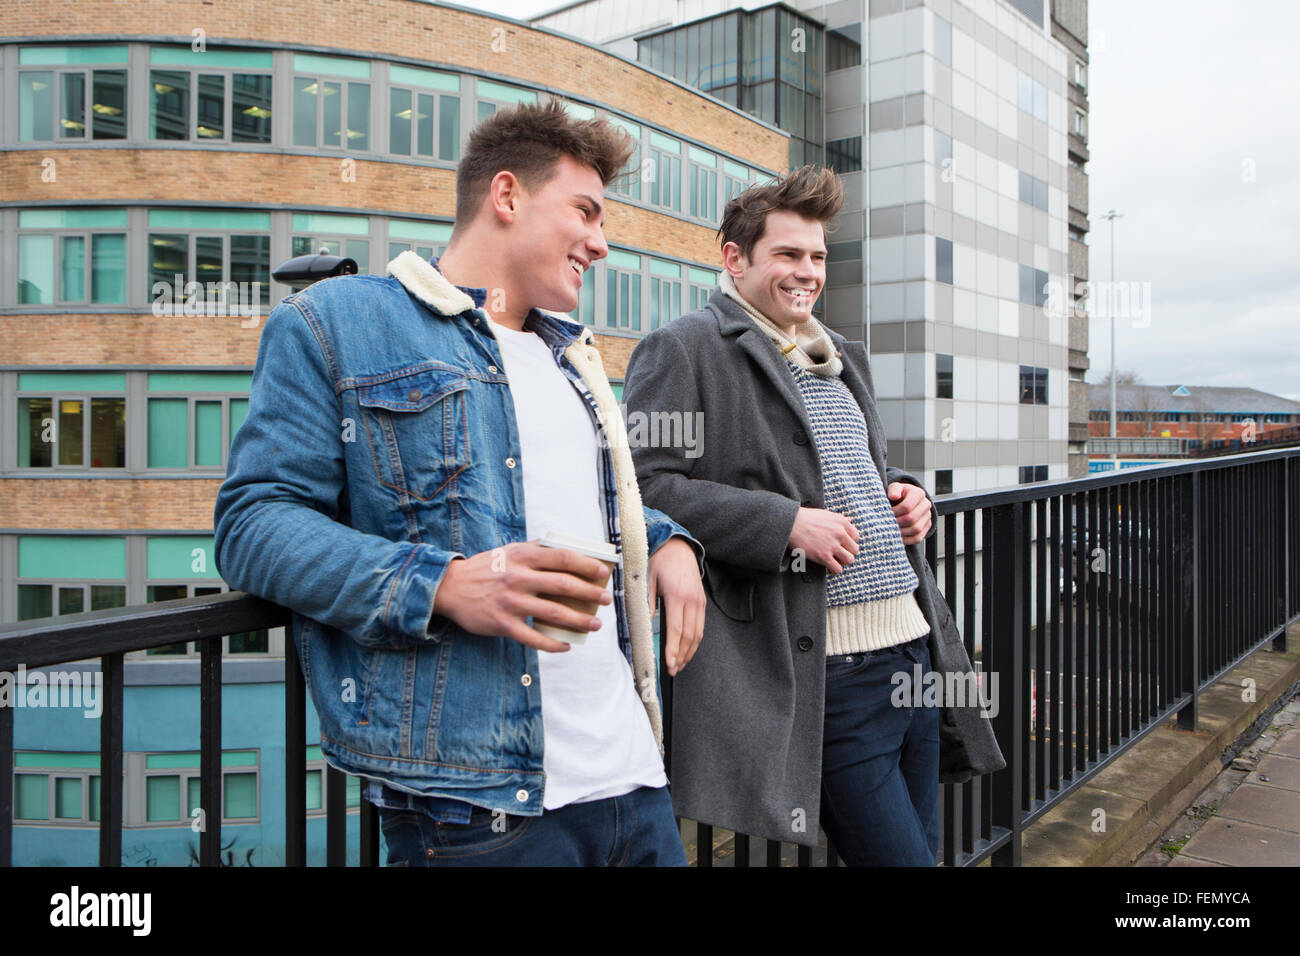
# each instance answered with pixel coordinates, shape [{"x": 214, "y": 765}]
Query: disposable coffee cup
[{"x": 602, "y": 551}]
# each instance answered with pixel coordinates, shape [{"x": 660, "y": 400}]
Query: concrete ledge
[{"x": 1143, "y": 791}]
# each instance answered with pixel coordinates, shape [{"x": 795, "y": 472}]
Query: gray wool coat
[{"x": 748, "y": 709}]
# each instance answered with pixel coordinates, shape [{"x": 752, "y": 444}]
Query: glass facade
[{"x": 767, "y": 62}]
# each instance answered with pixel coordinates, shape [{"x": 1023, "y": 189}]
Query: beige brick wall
[
  {"x": 421, "y": 31},
  {"x": 108, "y": 504}
]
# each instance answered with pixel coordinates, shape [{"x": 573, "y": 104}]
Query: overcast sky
[{"x": 1195, "y": 139}]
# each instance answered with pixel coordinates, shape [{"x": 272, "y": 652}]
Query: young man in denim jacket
[{"x": 408, "y": 439}]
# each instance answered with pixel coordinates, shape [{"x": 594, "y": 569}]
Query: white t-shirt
[{"x": 598, "y": 742}]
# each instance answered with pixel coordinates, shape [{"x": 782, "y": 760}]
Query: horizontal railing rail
[{"x": 1096, "y": 608}]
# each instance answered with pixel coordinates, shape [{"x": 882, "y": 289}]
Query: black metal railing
[{"x": 1097, "y": 608}]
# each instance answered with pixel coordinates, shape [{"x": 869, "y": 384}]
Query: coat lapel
[{"x": 734, "y": 323}]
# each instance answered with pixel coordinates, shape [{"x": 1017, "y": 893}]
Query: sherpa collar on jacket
[{"x": 418, "y": 276}]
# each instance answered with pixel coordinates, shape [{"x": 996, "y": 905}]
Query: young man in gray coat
[{"x": 819, "y": 595}]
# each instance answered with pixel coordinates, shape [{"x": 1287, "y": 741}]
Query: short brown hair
[
  {"x": 813, "y": 192},
  {"x": 528, "y": 140}
]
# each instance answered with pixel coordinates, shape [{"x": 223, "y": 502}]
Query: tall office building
[{"x": 960, "y": 128}]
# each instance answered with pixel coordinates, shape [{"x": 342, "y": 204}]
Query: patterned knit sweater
[{"x": 870, "y": 604}]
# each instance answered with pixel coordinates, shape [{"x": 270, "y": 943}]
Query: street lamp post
[{"x": 1112, "y": 215}]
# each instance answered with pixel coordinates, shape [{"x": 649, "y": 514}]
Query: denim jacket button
[
  {"x": 521, "y": 796},
  {"x": 493, "y": 369},
  {"x": 526, "y": 680},
  {"x": 414, "y": 395},
  {"x": 510, "y": 463}
]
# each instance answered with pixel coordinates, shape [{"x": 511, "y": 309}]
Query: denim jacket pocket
[{"x": 418, "y": 429}]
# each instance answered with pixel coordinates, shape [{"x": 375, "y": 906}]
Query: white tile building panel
[
  {"x": 886, "y": 148},
  {"x": 987, "y": 308},
  {"x": 916, "y": 382},
  {"x": 986, "y": 278},
  {"x": 963, "y": 53},
  {"x": 885, "y": 38},
  {"x": 963, "y": 306},
  {"x": 887, "y": 373},
  {"x": 1008, "y": 279},
  {"x": 1008, "y": 214},
  {"x": 986, "y": 67},
  {"x": 986, "y": 422},
  {"x": 886, "y": 303},
  {"x": 891, "y": 416},
  {"x": 963, "y": 378},
  {"x": 986, "y": 371},
  {"x": 986, "y": 105},
  {"x": 1008, "y": 383},
  {"x": 986, "y": 206},
  {"x": 887, "y": 79},
  {"x": 914, "y": 181},
  {"x": 886, "y": 187},
  {"x": 887, "y": 259},
  {"x": 914, "y": 143},
  {"x": 963, "y": 95},
  {"x": 1008, "y": 181},
  {"x": 963, "y": 266},
  {"x": 1008, "y": 422},
  {"x": 1009, "y": 317},
  {"x": 914, "y": 30},
  {"x": 915, "y": 258}
]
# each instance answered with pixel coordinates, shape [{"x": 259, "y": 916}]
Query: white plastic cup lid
[{"x": 600, "y": 550}]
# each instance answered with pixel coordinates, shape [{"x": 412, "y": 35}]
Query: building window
[
  {"x": 1081, "y": 124},
  {"x": 193, "y": 417},
  {"x": 942, "y": 375},
  {"x": 702, "y": 283},
  {"x": 943, "y": 151},
  {"x": 209, "y": 248},
  {"x": 1033, "y": 286},
  {"x": 335, "y": 235},
  {"x": 1033, "y": 191},
  {"x": 1032, "y": 473},
  {"x": 628, "y": 181},
  {"x": 704, "y": 184},
  {"x": 1031, "y": 96},
  {"x": 845, "y": 155},
  {"x": 623, "y": 290},
  {"x": 943, "y": 260},
  {"x": 331, "y": 106},
  {"x": 209, "y": 96},
  {"x": 491, "y": 96},
  {"x": 182, "y": 566},
  {"x": 1081, "y": 74},
  {"x": 52, "y": 102},
  {"x": 171, "y": 787},
  {"x": 71, "y": 420},
  {"x": 844, "y": 47},
  {"x": 943, "y": 41},
  {"x": 56, "y": 788},
  {"x": 665, "y": 172},
  {"x": 71, "y": 256},
  {"x": 586, "y": 310},
  {"x": 665, "y": 292},
  {"x": 1033, "y": 385},
  {"x": 425, "y": 239},
  {"x": 423, "y": 113},
  {"x": 317, "y": 795},
  {"x": 66, "y": 574},
  {"x": 943, "y": 481}
]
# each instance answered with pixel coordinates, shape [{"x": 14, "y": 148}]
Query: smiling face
[
  {"x": 787, "y": 271},
  {"x": 556, "y": 236}
]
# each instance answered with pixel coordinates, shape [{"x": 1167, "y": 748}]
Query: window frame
[
  {"x": 186, "y": 774},
  {"x": 86, "y": 71},
  {"x": 58, "y": 234},
  {"x": 192, "y": 115},
  {"x": 52, "y": 775},
  {"x": 85, "y": 396},
  {"x": 439, "y": 96}
]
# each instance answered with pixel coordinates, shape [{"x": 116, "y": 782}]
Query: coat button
[
  {"x": 805, "y": 643},
  {"x": 414, "y": 395},
  {"x": 526, "y": 680},
  {"x": 510, "y": 463},
  {"x": 521, "y": 796},
  {"x": 800, "y": 438}
]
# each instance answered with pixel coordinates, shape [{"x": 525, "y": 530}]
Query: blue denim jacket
[{"x": 380, "y": 443}]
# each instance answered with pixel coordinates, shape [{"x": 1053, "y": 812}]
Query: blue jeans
[
  {"x": 635, "y": 829},
  {"x": 880, "y": 762}
]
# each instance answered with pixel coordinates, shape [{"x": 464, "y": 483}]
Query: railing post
[
  {"x": 1279, "y": 642},
  {"x": 110, "y": 762},
  {"x": 295, "y": 757},
  {"x": 210, "y": 809},
  {"x": 6, "y": 786},
  {"x": 1188, "y": 717},
  {"x": 1005, "y": 605}
]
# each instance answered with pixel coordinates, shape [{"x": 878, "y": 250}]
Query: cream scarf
[{"x": 811, "y": 349}]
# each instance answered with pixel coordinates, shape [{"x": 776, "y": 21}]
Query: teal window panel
[
  {"x": 31, "y": 796},
  {"x": 72, "y": 382},
  {"x": 162, "y": 798},
  {"x": 314, "y": 789},
  {"x": 624, "y": 260},
  {"x": 703, "y": 157},
  {"x": 506, "y": 94},
  {"x": 180, "y": 556},
  {"x": 71, "y": 55},
  {"x": 238, "y": 412},
  {"x": 241, "y": 219},
  {"x": 72, "y": 219},
  {"x": 107, "y": 269},
  {"x": 81, "y": 761},
  {"x": 353, "y": 791},
  {"x": 168, "y": 433},
  {"x": 314, "y": 753},
  {"x": 72, "y": 556},
  {"x": 35, "y": 601},
  {"x": 662, "y": 267},
  {"x": 72, "y": 267},
  {"x": 207, "y": 433},
  {"x": 67, "y": 798},
  {"x": 240, "y": 795},
  {"x": 92, "y": 804},
  {"x": 400, "y": 75},
  {"x": 665, "y": 142},
  {"x": 419, "y": 231},
  {"x": 735, "y": 170},
  {"x": 35, "y": 270},
  {"x": 211, "y": 58},
  {"x": 578, "y": 111},
  {"x": 172, "y": 761},
  {"x": 193, "y": 799},
  {"x": 343, "y": 225},
  {"x": 200, "y": 381},
  {"x": 331, "y": 65},
  {"x": 702, "y": 276},
  {"x": 632, "y": 129},
  {"x": 239, "y": 758}
]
